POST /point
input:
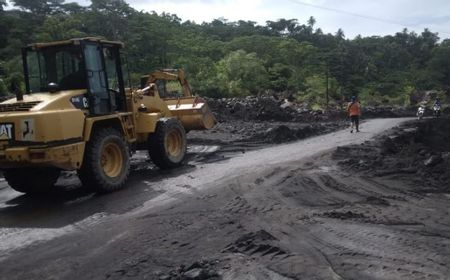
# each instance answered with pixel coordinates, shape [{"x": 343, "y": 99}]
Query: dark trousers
[{"x": 355, "y": 121}]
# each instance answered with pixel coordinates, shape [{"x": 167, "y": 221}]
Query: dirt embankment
[
  {"x": 245, "y": 133},
  {"x": 273, "y": 120},
  {"x": 418, "y": 150},
  {"x": 273, "y": 108}
]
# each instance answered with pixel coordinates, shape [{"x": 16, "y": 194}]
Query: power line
[
  {"x": 384, "y": 20},
  {"x": 352, "y": 14}
]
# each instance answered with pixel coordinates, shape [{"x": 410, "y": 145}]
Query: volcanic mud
[{"x": 378, "y": 210}]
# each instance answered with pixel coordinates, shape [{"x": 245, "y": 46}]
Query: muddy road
[{"x": 290, "y": 211}]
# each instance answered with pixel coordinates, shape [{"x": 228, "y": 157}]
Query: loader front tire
[
  {"x": 32, "y": 180},
  {"x": 106, "y": 163},
  {"x": 167, "y": 145}
]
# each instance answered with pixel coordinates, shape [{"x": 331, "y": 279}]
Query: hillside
[{"x": 240, "y": 58}]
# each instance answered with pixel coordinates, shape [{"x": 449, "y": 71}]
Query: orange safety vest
[{"x": 354, "y": 109}]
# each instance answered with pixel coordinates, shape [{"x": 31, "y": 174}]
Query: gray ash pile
[
  {"x": 419, "y": 151},
  {"x": 272, "y": 108},
  {"x": 265, "y": 108},
  {"x": 285, "y": 133},
  {"x": 388, "y": 112}
]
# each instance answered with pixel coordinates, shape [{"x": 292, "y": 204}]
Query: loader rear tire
[
  {"x": 32, "y": 180},
  {"x": 167, "y": 146},
  {"x": 106, "y": 163}
]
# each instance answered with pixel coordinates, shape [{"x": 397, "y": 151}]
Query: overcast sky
[{"x": 365, "y": 17}]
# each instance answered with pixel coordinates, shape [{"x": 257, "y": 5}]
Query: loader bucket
[{"x": 192, "y": 111}]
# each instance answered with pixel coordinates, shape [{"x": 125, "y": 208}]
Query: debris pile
[
  {"x": 269, "y": 108},
  {"x": 285, "y": 133},
  {"x": 254, "y": 108},
  {"x": 201, "y": 270},
  {"x": 240, "y": 132},
  {"x": 420, "y": 150}
]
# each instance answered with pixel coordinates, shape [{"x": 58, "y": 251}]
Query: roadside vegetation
[{"x": 237, "y": 59}]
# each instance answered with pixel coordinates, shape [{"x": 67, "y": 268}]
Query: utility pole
[{"x": 327, "y": 78}]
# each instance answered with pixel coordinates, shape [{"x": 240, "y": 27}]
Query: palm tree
[
  {"x": 340, "y": 34},
  {"x": 311, "y": 22},
  {"x": 2, "y": 3}
]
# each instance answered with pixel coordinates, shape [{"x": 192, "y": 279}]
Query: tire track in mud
[
  {"x": 361, "y": 251},
  {"x": 378, "y": 231},
  {"x": 380, "y": 236}
]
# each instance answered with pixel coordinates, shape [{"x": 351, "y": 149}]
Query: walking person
[{"x": 354, "y": 112}]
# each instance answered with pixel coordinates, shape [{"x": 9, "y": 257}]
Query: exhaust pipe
[{"x": 19, "y": 95}]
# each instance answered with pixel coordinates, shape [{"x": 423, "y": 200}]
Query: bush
[{"x": 15, "y": 83}]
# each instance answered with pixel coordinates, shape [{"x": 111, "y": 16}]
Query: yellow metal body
[
  {"x": 47, "y": 129},
  {"x": 170, "y": 75},
  {"x": 193, "y": 112}
]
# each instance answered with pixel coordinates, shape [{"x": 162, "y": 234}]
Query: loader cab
[{"x": 88, "y": 64}]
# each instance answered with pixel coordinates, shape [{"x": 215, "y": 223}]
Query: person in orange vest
[{"x": 354, "y": 112}]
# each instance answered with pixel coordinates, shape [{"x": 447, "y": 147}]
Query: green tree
[
  {"x": 116, "y": 13},
  {"x": 279, "y": 77},
  {"x": 40, "y": 8},
  {"x": 440, "y": 64},
  {"x": 60, "y": 27},
  {"x": 241, "y": 74},
  {"x": 314, "y": 92},
  {"x": 283, "y": 26},
  {"x": 73, "y": 8}
]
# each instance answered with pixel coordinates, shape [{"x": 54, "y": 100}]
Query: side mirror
[{"x": 52, "y": 87}]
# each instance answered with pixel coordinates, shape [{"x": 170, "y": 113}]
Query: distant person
[
  {"x": 437, "y": 108},
  {"x": 354, "y": 112},
  {"x": 437, "y": 102}
]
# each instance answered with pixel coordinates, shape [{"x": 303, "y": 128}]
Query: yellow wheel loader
[{"x": 78, "y": 114}]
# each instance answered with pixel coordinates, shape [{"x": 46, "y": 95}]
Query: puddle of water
[
  {"x": 323, "y": 169},
  {"x": 201, "y": 149},
  {"x": 327, "y": 168}
]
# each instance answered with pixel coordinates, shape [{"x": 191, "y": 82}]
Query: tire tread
[
  {"x": 91, "y": 174},
  {"x": 156, "y": 148}
]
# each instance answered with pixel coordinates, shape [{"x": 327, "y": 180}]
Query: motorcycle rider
[
  {"x": 437, "y": 102},
  {"x": 437, "y": 107}
]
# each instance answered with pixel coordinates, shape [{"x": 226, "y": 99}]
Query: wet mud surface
[{"x": 376, "y": 209}]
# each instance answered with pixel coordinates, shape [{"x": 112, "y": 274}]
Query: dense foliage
[{"x": 240, "y": 58}]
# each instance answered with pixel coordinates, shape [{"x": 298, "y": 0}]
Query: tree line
[{"x": 241, "y": 58}]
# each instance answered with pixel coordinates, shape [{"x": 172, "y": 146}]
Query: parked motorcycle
[{"x": 420, "y": 112}]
